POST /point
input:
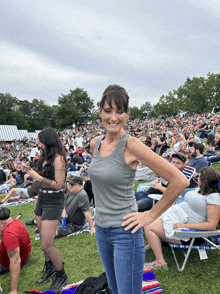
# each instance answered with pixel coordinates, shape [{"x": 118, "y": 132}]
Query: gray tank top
[{"x": 112, "y": 183}]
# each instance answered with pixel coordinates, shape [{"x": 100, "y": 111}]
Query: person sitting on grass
[
  {"x": 76, "y": 209},
  {"x": 158, "y": 186},
  {"x": 15, "y": 247},
  {"x": 24, "y": 193},
  {"x": 200, "y": 211},
  {"x": 2, "y": 176},
  {"x": 4, "y": 188},
  {"x": 87, "y": 184}
]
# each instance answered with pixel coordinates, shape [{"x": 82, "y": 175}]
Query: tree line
[
  {"x": 196, "y": 95},
  {"x": 36, "y": 115}
]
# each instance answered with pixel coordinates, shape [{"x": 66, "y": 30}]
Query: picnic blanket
[
  {"x": 85, "y": 228},
  {"x": 149, "y": 285},
  {"x": 18, "y": 202}
]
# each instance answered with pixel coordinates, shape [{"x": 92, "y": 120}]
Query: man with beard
[
  {"x": 198, "y": 160},
  {"x": 158, "y": 186}
]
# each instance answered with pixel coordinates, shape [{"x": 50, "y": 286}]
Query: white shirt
[{"x": 79, "y": 141}]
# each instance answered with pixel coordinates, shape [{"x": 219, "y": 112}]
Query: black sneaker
[
  {"x": 59, "y": 283},
  {"x": 30, "y": 222},
  {"x": 37, "y": 231},
  {"x": 49, "y": 272}
]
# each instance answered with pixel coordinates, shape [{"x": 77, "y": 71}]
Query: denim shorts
[
  {"x": 122, "y": 255},
  {"x": 49, "y": 206}
]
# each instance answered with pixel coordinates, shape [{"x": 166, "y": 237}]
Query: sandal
[
  {"x": 154, "y": 266},
  {"x": 147, "y": 247}
]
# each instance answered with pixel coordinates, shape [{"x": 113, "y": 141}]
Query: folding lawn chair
[
  {"x": 185, "y": 233},
  {"x": 189, "y": 172}
]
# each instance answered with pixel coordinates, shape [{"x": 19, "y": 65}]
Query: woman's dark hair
[
  {"x": 118, "y": 95},
  {"x": 53, "y": 146},
  {"x": 209, "y": 178},
  {"x": 210, "y": 139}
]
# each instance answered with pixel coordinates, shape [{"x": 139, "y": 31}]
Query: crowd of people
[{"x": 95, "y": 165}]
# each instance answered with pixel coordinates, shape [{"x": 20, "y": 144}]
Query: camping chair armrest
[
  {"x": 145, "y": 188},
  {"x": 186, "y": 233},
  {"x": 155, "y": 196}
]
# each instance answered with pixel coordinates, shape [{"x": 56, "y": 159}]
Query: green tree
[
  {"x": 72, "y": 106},
  {"x": 8, "y": 104},
  {"x": 95, "y": 115},
  {"x": 212, "y": 88},
  {"x": 135, "y": 112},
  {"x": 41, "y": 115},
  {"x": 192, "y": 97},
  {"x": 145, "y": 110},
  {"x": 19, "y": 119}
]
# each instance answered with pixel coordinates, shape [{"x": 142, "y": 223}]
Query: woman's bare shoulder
[
  {"x": 93, "y": 141},
  {"x": 59, "y": 158},
  {"x": 92, "y": 144}
]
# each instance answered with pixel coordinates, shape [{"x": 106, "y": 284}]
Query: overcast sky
[{"x": 149, "y": 47}]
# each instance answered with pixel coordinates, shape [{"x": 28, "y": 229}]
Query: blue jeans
[
  {"x": 122, "y": 255},
  {"x": 71, "y": 167},
  {"x": 4, "y": 188},
  {"x": 143, "y": 201},
  {"x": 214, "y": 159},
  {"x": 209, "y": 153}
]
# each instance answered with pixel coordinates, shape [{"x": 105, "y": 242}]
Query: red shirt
[
  {"x": 79, "y": 151},
  {"x": 13, "y": 236}
]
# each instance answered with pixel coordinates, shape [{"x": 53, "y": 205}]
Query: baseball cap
[
  {"x": 84, "y": 172},
  {"x": 76, "y": 180},
  {"x": 179, "y": 155},
  {"x": 4, "y": 213}
]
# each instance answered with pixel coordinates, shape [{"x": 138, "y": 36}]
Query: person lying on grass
[{"x": 23, "y": 193}]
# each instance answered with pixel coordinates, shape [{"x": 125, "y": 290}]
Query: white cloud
[
  {"x": 151, "y": 48},
  {"x": 22, "y": 64}
]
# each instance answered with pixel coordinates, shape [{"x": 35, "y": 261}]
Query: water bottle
[{"x": 63, "y": 222}]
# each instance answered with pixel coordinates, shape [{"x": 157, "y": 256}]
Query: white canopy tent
[{"x": 11, "y": 132}]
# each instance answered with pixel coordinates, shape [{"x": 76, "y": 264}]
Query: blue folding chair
[{"x": 193, "y": 234}]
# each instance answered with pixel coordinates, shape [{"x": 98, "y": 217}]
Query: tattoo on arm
[
  {"x": 46, "y": 182},
  {"x": 11, "y": 253}
]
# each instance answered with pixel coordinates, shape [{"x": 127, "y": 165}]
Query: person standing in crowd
[
  {"x": 34, "y": 152},
  {"x": 116, "y": 156},
  {"x": 51, "y": 167},
  {"x": 79, "y": 141}
]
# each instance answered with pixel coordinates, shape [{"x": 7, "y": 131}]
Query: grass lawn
[{"x": 82, "y": 260}]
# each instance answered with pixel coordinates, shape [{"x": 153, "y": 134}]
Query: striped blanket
[
  {"x": 18, "y": 202},
  {"x": 149, "y": 285}
]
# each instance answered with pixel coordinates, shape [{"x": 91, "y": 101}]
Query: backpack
[{"x": 94, "y": 285}]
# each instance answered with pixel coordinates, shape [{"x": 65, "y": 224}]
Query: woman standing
[
  {"x": 112, "y": 171},
  {"x": 51, "y": 172}
]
